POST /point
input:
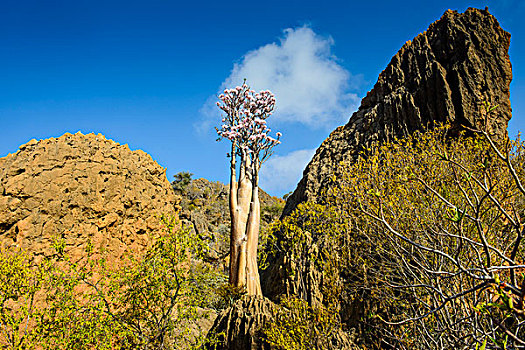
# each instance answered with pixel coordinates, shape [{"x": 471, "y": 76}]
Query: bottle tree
[{"x": 244, "y": 124}]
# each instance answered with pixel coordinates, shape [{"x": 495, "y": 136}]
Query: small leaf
[
  {"x": 490, "y": 109},
  {"x": 484, "y": 345}
]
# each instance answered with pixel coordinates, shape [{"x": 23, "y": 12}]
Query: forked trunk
[{"x": 245, "y": 215}]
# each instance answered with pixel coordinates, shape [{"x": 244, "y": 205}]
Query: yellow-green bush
[
  {"x": 146, "y": 302},
  {"x": 437, "y": 224},
  {"x": 419, "y": 246},
  {"x": 19, "y": 284},
  {"x": 299, "y": 326},
  {"x": 309, "y": 238}
]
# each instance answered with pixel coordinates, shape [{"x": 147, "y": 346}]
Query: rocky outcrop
[
  {"x": 83, "y": 189},
  {"x": 240, "y": 326},
  {"x": 443, "y": 75},
  {"x": 243, "y": 326}
]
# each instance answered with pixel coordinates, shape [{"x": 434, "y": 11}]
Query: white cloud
[
  {"x": 211, "y": 115},
  {"x": 280, "y": 174},
  {"x": 309, "y": 84}
]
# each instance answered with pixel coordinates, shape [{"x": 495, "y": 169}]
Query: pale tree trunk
[
  {"x": 245, "y": 218},
  {"x": 234, "y": 252},
  {"x": 239, "y": 218},
  {"x": 253, "y": 284}
]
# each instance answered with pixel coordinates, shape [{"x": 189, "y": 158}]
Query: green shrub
[
  {"x": 419, "y": 246},
  {"x": 182, "y": 180},
  {"x": 436, "y": 226},
  {"x": 144, "y": 302},
  {"x": 299, "y": 326}
]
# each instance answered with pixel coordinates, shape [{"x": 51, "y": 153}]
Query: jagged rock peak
[
  {"x": 82, "y": 188},
  {"x": 442, "y": 75}
]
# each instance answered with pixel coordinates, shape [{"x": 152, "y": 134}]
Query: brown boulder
[{"x": 81, "y": 188}]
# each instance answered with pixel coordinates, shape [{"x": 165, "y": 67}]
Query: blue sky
[{"x": 146, "y": 73}]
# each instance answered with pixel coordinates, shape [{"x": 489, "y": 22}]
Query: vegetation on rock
[
  {"x": 296, "y": 325},
  {"x": 420, "y": 245},
  {"x": 386, "y": 243},
  {"x": 146, "y": 302},
  {"x": 182, "y": 180}
]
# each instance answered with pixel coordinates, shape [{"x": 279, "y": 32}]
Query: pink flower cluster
[{"x": 245, "y": 120}]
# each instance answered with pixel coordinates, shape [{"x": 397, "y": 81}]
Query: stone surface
[
  {"x": 81, "y": 188},
  {"x": 443, "y": 75},
  {"x": 241, "y": 327},
  {"x": 241, "y": 324}
]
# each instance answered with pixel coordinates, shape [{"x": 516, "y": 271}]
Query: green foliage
[
  {"x": 19, "y": 284},
  {"x": 298, "y": 326},
  {"x": 436, "y": 220},
  {"x": 182, "y": 180},
  {"x": 228, "y": 294},
  {"x": 145, "y": 302},
  {"x": 429, "y": 211},
  {"x": 272, "y": 212},
  {"x": 309, "y": 236},
  {"x": 420, "y": 244}
]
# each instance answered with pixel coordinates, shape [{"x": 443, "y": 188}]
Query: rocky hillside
[
  {"x": 84, "y": 189},
  {"x": 442, "y": 75}
]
